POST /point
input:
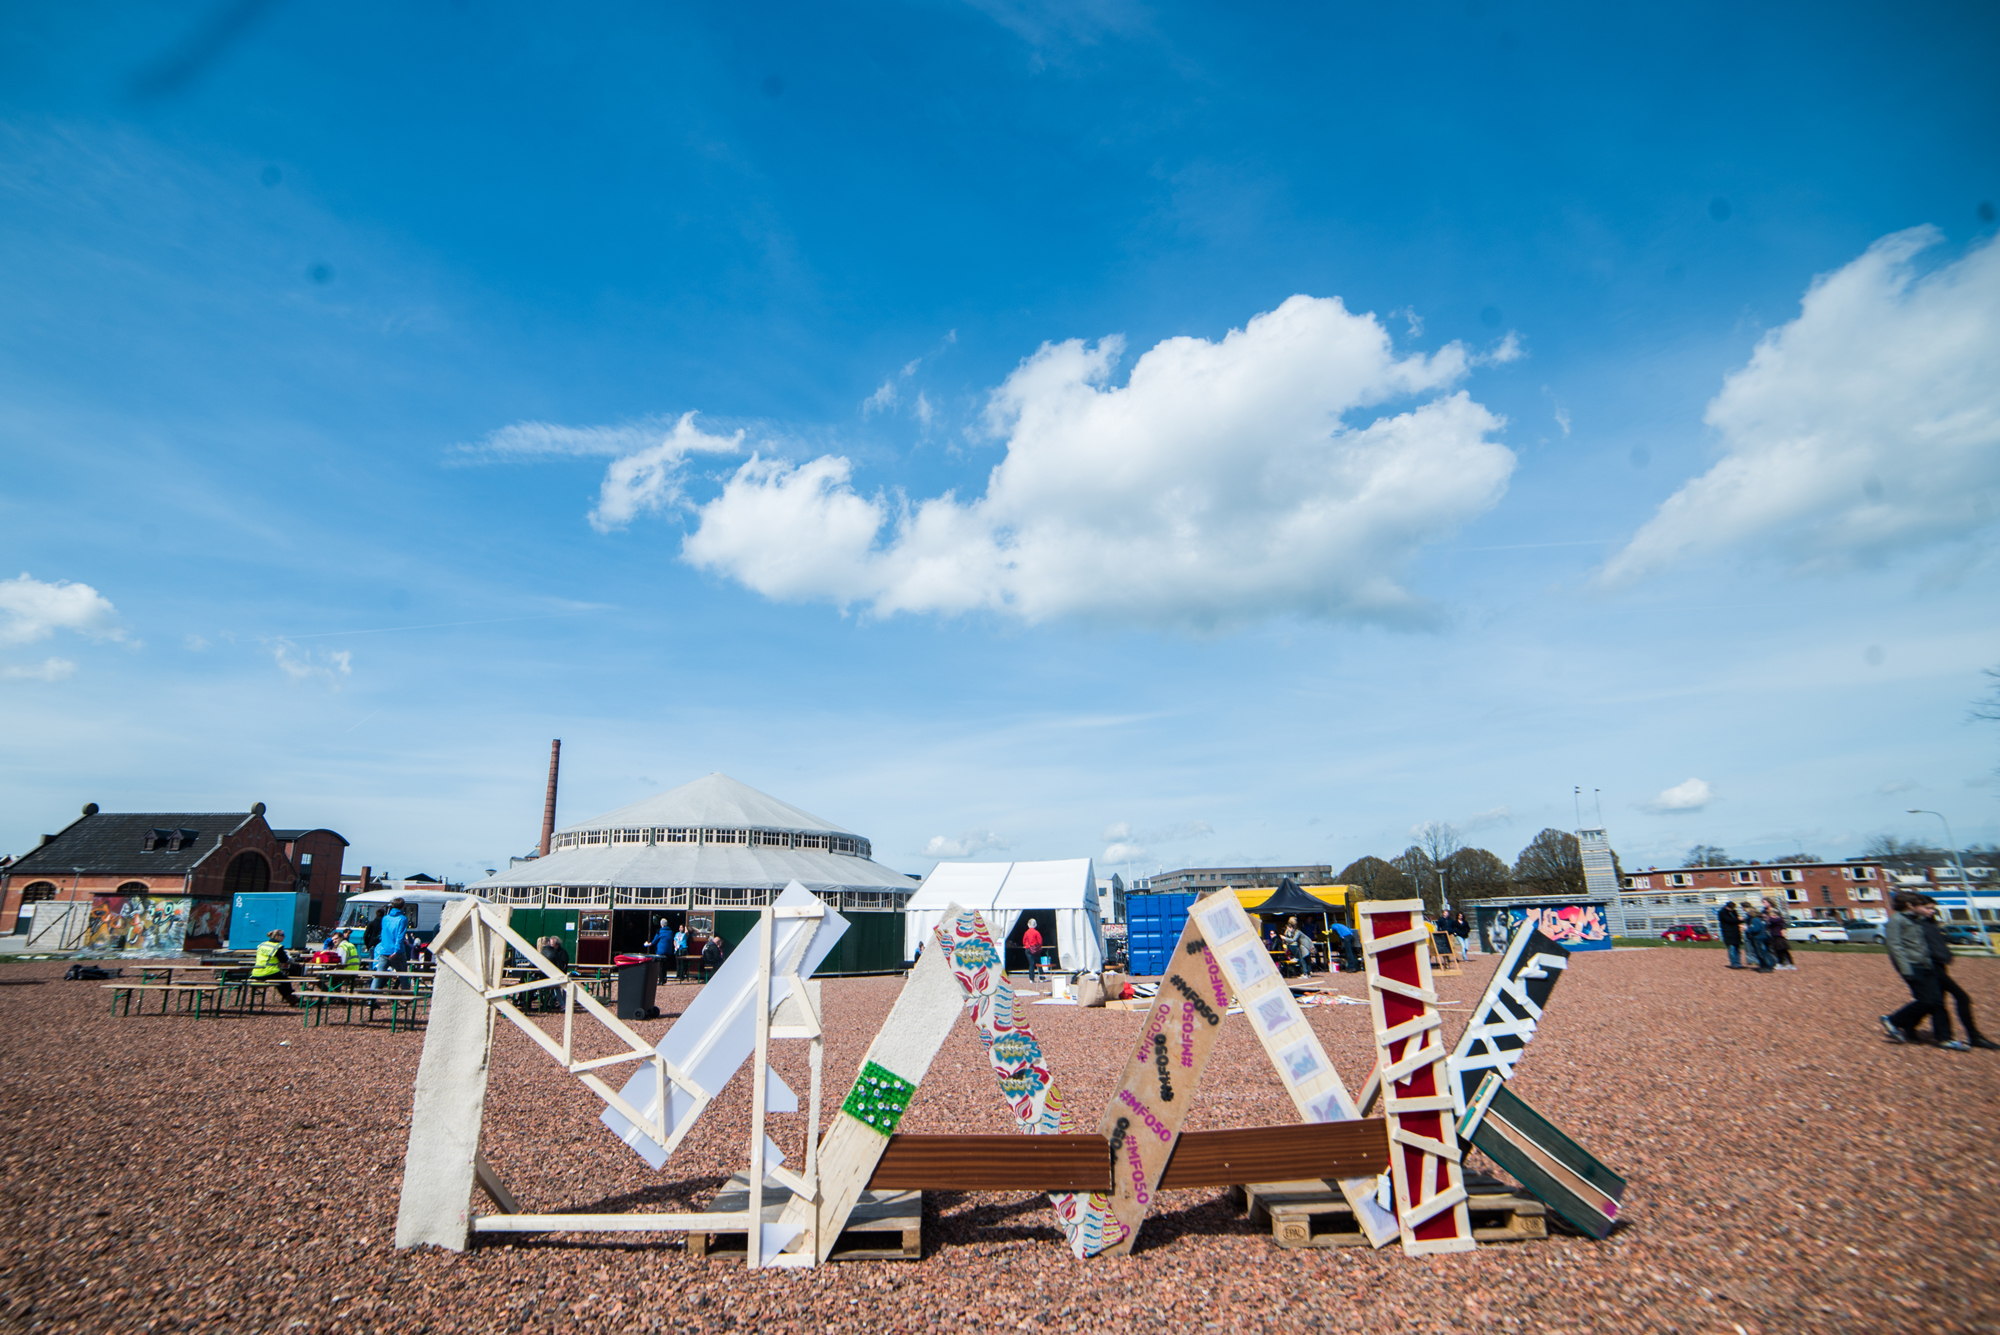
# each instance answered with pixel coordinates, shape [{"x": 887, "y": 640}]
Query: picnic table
[
  {"x": 405, "y": 1008},
  {"x": 189, "y": 995}
]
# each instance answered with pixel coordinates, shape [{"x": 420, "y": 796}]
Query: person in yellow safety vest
[
  {"x": 345, "y": 949},
  {"x": 272, "y": 962}
]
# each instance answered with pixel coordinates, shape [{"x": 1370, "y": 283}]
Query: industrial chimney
[{"x": 549, "y": 803}]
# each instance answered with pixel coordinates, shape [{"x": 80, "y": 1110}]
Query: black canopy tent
[{"x": 1290, "y": 901}]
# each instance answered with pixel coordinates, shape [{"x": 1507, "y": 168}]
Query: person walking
[
  {"x": 1941, "y": 956},
  {"x": 1731, "y": 924},
  {"x": 1031, "y": 941},
  {"x": 1910, "y": 951}
]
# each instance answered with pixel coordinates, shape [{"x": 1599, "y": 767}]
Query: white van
[{"x": 425, "y": 908}]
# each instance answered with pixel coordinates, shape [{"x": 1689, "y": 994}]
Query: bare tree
[
  {"x": 1989, "y": 708},
  {"x": 1889, "y": 848},
  {"x": 1551, "y": 864},
  {"x": 1439, "y": 840},
  {"x": 1708, "y": 855}
]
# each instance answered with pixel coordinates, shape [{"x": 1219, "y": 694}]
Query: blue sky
[{"x": 1172, "y": 435}]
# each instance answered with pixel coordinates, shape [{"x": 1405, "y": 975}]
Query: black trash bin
[{"x": 636, "y": 985}]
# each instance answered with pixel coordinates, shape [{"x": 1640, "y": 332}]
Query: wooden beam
[
  {"x": 1009, "y": 1162},
  {"x": 1333, "y": 1151},
  {"x": 1328, "y": 1150}
]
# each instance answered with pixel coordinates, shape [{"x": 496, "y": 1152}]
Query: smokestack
[
  {"x": 549, "y": 804},
  {"x": 366, "y": 872}
]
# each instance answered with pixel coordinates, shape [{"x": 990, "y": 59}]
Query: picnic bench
[{"x": 190, "y": 996}]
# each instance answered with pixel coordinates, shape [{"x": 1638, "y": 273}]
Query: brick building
[
  {"x": 206, "y": 857},
  {"x": 1654, "y": 900}
]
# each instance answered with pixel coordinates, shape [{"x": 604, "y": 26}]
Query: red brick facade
[
  {"x": 107, "y": 853},
  {"x": 1809, "y": 890}
]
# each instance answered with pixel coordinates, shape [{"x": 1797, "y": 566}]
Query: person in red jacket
[{"x": 1031, "y": 941}]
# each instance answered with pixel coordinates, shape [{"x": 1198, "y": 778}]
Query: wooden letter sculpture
[
  {"x": 1316, "y": 1088},
  {"x": 890, "y": 1073},
  {"x": 1022, "y": 1070},
  {"x": 1424, "y": 1146},
  {"x": 1506, "y": 1016},
  {"x": 1145, "y": 1114}
]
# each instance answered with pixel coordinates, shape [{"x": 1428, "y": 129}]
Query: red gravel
[{"x": 1790, "y": 1171}]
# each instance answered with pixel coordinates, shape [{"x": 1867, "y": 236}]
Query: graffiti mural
[
  {"x": 146, "y": 925},
  {"x": 1572, "y": 926}
]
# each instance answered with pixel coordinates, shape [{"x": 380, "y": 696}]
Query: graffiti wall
[
  {"x": 154, "y": 925},
  {"x": 1570, "y": 925}
]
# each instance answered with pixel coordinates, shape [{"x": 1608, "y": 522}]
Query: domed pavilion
[{"x": 705, "y": 855}]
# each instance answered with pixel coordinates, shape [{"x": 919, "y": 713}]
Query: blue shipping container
[
  {"x": 1153, "y": 925},
  {"x": 252, "y": 917}
]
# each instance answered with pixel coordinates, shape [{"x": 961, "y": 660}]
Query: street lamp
[{"x": 1978, "y": 924}]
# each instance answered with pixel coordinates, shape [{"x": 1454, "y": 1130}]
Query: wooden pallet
[
  {"x": 1313, "y": 1214},
  {"x": 885, "y": 1225}
]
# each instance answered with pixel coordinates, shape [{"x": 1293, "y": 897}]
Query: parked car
[
  {"x": 1687, "y": 932},
  {"x": 1816, "y": 929},
  {"x": 1867, "y": 933},
  {"x": 1961, "y": 934}
]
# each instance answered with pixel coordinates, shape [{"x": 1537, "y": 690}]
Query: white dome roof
[{"x": 714, "y": 802}]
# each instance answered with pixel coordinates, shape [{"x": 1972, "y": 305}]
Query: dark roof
[
  {"x": 287, "y": 836},
  {"x": 113, "y": 842},
  {"x": 1289, "y": 898}
]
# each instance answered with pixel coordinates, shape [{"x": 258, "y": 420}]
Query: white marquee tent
[{"x": 1066, "y": 891}]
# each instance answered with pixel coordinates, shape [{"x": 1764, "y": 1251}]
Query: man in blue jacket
[{"x": 392, "y": 951}]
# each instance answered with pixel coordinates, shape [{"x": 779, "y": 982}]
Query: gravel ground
[{"x": 1789, "y": 1170}]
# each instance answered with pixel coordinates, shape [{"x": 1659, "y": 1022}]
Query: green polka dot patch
[{"x": 879, "y": 1099}]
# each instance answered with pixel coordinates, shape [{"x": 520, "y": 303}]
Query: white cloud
[
  {"x": 972, "y": 841},
  {"x": 34, "y": 610},
  {"x": 193, "y": 643},
  {"x": 327, "y": 665},
  {"x": 882, "y": 399},
  {"x": 547, "y": 440},
  {"x": 1124, "y": 852},
  {"x": 923, "y": 409},
  {"x": 649, "y": 480},
  {"x": 1118, "y": 830},
  {"x": 1220, "y": 484},
  {"x": 1480, "y": 820},
  {"x": 1508, "y": 349},
  {"x": 49, "y": 669},
  {"x": 1690, "y": 796},
  {"x": 1868, "y": 425}
]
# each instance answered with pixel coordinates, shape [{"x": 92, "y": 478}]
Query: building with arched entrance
[
  {"x": 159, "y": 881},
  {"x": 704, "y": 855}
]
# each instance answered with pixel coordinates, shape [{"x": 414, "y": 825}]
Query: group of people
[
  {"x": 671, "y": 942},
  {"x": 1922, "y": 956},
  {"x": 1762, "y": 927},
  {"x": 388, "y": 938}
]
